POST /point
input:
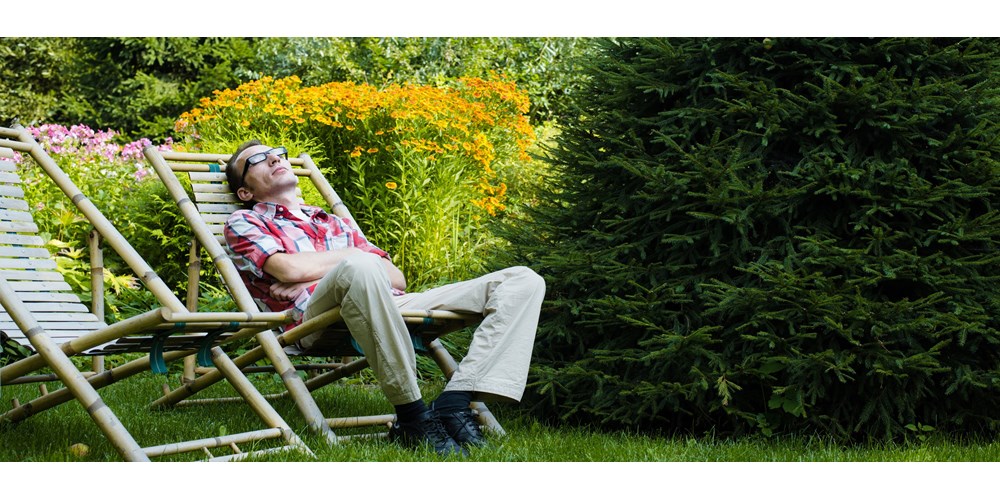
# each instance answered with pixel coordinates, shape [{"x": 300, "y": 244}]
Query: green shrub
[
  {"x": 781, "y": 235},
  {"x": 32, "y": 77},
  {"x": 153, "y": 224},
  {"x": 138, "y": 86}
]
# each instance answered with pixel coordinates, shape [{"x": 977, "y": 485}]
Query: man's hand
[
  {"x": 396, "y": 278},
  {"x": 289, "y": 291}
]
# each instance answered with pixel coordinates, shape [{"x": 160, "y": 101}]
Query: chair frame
[
  {"x": 211, "y": 168},
  {"x": 171, "y": 316}
]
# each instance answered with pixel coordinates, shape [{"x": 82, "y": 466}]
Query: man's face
[{"x": 266, "y": 172}]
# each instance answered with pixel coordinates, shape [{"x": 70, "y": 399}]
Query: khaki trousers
[{"x": 496, "y": 365}]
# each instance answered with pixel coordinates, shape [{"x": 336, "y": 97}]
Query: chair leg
[
  {"x": 88, "y": 397},
  {"x": 296, "y": 386},
  {"x": 234, "y": 376},
  {"x": 194, "y": 274},
  {"x": 268, "y": 347},
  {"x": 331, "y": 376},
  {"x": 253, "y": 397},
  {"x": 96, "y": 286},
  {"x": 86, "y": 394},
  {"x": 97, "y": 381},
  {"x": 188, "y": 374},
  {"x": 305, "y": 402}
]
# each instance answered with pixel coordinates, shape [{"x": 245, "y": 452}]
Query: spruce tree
[{"x": 774, "y": 235}]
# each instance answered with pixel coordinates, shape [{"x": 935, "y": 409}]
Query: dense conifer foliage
[{"x": 775, "y": 235}]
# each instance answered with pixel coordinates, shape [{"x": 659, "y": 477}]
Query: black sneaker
[
  {"x": 426, "y": 430},
  {"x": 461, "y": 426}
]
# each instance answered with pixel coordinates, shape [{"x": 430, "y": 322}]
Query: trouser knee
[{"x": 529, "y": 277}]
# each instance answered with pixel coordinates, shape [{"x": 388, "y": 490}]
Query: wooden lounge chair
[
  {"x": 40, "y": 312},
  {"x": 212, "y": 206}
]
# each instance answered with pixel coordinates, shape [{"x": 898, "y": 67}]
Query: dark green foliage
[
  {"x": 783, "y": 235},
  {"x": 139, "y": 86},
  {"x": 32, "y": 74}
]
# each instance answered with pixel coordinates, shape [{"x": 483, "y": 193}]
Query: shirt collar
[{"x": 274, "y": 210}]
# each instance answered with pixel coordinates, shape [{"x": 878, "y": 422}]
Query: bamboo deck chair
[
  {"x": 41, "y": 313},
  {"x": 213, "y": 205}
]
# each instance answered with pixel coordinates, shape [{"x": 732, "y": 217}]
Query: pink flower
[{"x": 97, "y": 148}]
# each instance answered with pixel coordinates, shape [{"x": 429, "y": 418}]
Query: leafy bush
[
  {"x": 153, "y": 224},
  {"x": 782, "y": 235},
  {"x": 32, "y": 77},
  {"x": 138, "y": 86},
  {"x": 419, "y": 166}
]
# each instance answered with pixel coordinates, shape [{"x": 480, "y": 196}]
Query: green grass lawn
[
  {"x": 533, "y": 460},
  {"x": 47, "y": 437}
]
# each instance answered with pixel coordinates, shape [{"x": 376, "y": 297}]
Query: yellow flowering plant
[{"x": 422, "y": 167}]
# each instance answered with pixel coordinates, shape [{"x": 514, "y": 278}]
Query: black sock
[
  {"x": 410, "y": 412},
  {"x": 452, "y": 401}
]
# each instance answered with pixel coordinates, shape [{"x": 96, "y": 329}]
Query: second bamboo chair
[
  {"x": 213, "y": 205},
  {"x": 40, "y": 313}
]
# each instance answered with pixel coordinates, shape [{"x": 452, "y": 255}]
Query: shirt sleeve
[
  {"x": 250, "y": 242},
  {"x": 359, "y": 241}
]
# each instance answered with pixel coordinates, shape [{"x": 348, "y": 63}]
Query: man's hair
[{"x": 233, "y": 170}]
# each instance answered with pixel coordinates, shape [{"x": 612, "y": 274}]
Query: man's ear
[{"x": 244, "y": 194}]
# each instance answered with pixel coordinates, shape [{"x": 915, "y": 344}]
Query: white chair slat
[{"x": 27, "y": 264}]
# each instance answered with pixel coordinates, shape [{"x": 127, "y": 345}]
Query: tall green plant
[
  {"x": 421, "y": 167},
  {"x": 775, "y": 235}
]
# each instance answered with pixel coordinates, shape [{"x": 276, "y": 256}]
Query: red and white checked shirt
[{"x": 254, "y": 235}]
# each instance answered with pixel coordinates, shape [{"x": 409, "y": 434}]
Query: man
[{"x": 300, "y": 257}]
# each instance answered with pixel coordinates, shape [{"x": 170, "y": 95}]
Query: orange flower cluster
[
  {"x": 505, "y": 100},
  {"x": 475, "y": 119},
  {"x": 492, "y": 202}
]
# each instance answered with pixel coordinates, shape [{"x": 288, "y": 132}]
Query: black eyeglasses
[{"x": 252, "y": 160}]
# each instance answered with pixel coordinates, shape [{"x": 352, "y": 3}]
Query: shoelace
[
  {"x": 466, "y": 419},
  {"x": 437, "y": 432}
]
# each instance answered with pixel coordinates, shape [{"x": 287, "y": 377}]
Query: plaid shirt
[{"x": 254, "y": 235}]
